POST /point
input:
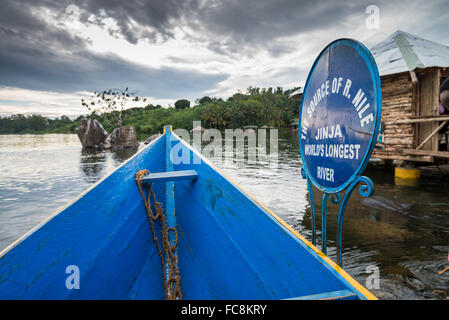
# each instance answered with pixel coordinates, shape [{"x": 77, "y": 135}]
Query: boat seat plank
[
  {"x": 170, "y": 176},
  {"x": 333, "y": 295}
]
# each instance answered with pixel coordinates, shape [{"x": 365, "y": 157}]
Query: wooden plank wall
[
  {"x": 429, "y": 95},
  {"x": 397, "y": 103}
]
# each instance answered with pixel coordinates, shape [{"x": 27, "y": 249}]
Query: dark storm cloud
[
  {"x": 231, "y": 26},
  {"x": 243, "y": 27},
  {"x": 37, "y": 56},
  {"x": 228, "y": 27},
  {"x": 161, "y": 15},
  {"x": 259, "y": 23},
  {"x": 20, "y": 27},
  {"x": 42, "y": 70}
]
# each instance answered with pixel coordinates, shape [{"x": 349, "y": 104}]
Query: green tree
[
  {"x": 182, "y": 104},
  {"x": 257, "y": 106},
  {"x": 204, "y": 100},
  {"x": 20, "y": 123},
  {"x": 37, "y": 123}
]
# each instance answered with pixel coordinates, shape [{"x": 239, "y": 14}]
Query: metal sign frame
[{"x": 367, "y": 188}]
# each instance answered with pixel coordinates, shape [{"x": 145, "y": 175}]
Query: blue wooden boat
[{"x": 229, "y": 245}]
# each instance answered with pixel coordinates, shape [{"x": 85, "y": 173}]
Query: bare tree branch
[{"x": 111, "y": 102}]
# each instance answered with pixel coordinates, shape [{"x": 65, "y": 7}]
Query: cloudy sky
[{"x": 54, "y": 52}]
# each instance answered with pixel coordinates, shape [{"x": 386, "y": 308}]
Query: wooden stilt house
[{"x": 411, "y": 70}]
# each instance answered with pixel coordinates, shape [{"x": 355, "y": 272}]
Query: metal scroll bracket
[{"x": 366, "y": 189}]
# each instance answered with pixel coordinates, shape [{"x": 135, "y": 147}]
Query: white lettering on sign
[
  {"x": 336, "y": 84},
  {"x": 361, "y": 106},
  {"x": 316, "y": 150},
  {"x": 328, "y": 132},
  {"x": 336, "y": 151},
  {"x": 347, "y": 87},
  {"x": 360, "y": 103},
  {"x": 325, "y": 174}
]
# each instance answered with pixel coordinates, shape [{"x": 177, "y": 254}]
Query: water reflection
[
  {"x": 40, "y": 173},
  {"x": 121, "y": 155},
  {"x": 402, "y": 230},
  {"x": 96, "y": 164},
  {"x": 92, "y": 164}
]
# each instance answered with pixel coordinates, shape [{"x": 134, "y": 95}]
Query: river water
[{"x": 403, "y": 231}]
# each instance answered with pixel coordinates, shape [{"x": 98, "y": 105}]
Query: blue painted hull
[{"x": 230, "y": 246}]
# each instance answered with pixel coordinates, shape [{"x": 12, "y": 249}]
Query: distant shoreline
[{"x": 141, "y": 137}]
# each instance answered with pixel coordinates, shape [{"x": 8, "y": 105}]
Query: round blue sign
[{"x": 339, "y": 115}]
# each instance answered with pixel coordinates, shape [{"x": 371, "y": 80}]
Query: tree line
[
  {"x": 20, "y": 123},
  {"x": 257, "y": 106}
]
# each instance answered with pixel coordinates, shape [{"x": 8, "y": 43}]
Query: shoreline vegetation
[{"x": 257, "y": 107}]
